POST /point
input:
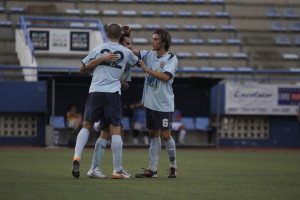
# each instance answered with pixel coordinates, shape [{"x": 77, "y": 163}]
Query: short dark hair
[
  {"x": 165, "y": 37},
  {"x": 123, "y": 36},
  {"x": 114, "y": 31}
]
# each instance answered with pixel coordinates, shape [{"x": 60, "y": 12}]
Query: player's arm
[
  {"x": 165, "y": 77},
  {"x": 124, "y": 85},
  {"x": 109, "y": 57}
]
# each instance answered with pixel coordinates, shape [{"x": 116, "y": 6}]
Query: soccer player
[
  {"x": 108, "y": 61},
  {"x": 158, "y": 98}
]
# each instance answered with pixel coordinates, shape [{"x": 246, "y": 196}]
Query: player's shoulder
[{"x": 172, "y": 56}]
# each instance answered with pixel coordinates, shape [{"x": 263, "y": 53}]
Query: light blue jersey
[
  {"x": 158, "y": 95},
  {"x": 106, "y": 76}
]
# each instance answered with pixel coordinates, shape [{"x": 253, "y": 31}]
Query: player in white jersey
[
  {"x": 158, "y": 98},
  {"x": 108, "y": 61}
]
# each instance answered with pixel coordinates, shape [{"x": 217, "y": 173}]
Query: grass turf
[{"x": 45, "y": 174}]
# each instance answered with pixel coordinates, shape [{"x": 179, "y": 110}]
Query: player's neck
[
  {"x": 160, "y": 52},
  {"x": 114, "y": 40}
]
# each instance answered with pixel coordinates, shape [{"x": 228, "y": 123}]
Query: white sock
[
  {"x": 154, "y": 150},
  {"x": 98, "y": 152},
  {"x": 81, "y": 141},
  {"x": 116, "y": 147},
  {"x": 182, "y": 135},
  {"x": 171, "y": 149}
]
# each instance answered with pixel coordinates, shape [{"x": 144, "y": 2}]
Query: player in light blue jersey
[
  {"x": 158, "y": 98},
  {"x": 108, "y": 61}
]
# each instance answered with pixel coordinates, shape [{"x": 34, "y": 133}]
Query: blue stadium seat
[
  {"x": 125, "y": 1},
  {"x": 203, "y": 14},
  {"x": 209, "y": 27},
  {"x": 139, "y": 40},
  {"x": 217, "y": 1},
  {"x": 227, "y": 28},
  {"x": 17, "y": 9},
  {"x": 5, "y": 23},
  {"x": 2, "y": 9},
  {"x": 143, "y": 1},
  {"x": 198, "y": 1},
  {"x": 184, "y": 55},
  {"x": 77, "y": 24},
  {"x": 152, "y": 26},
  {"x": 184, "y": 14},
  {"x": 221, "y": 14},
  {"x": 283, "y": 40},
  {"x": 290, "y": 14},
  {"x": 228, "y": 69},
  {"x": 91, "y": 12},
  {"x": 221, "y": 55},
  {"x": 171, "y": 27},
  {"x": 190, "y": 27},
  {"x": 202, "y": 123},
  {"x": 128, "y": 13},
  {"x": 295, "y": 27},
  {"x": 189, "y": 122},
  {"x": 126, "y": 124},
  {"x": 161, "y": 1},
  {"x": 233, "y": 41},
  {"x": 204, "y": 55},
  {"x": 245, "y": 69},
  {"x": 135, "y": 26},
  {"x": 72, "y": 11},
  {"x": 180, "y": 1},
  {"x": 278, "y": 27},
  {"x": 166, "y": 13},
  {"x": 58, "y": 122},
  {"x": 240, "y": 55},
  {"x": 110, "y": 12},
  {"x": 209, "y": 69},
  {"x": 196, "y": 41},
  {"x": 290, "y": 56},
  {"x": 147, "y": 13},
  {"x": 177, "y": 41},
  {"x": 272, "y": 13},
  {"x": 215, "y": 41}
]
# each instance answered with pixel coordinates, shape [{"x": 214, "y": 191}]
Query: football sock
[
  {"x": 182, "y": 135},
  {"x": 116, "y": 147},
  {"x": 81, "y": 141},
  {"x": 154, "y": 150},
  {"x": 171, "y": 149},
  {"x": 98, "y": 152}
]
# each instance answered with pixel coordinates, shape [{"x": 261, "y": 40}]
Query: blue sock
[
  {"x": 81, "y": 141},
  {"x": 154, "y": 150},
  {"x": 98, "y": 152},
  {"x": 116, "y": 147},
  {"x": 171, "y": 149}
]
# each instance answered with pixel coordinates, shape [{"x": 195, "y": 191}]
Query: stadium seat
[
  {"x": 139, "y": 40},
  {"x": 189, "y": 68},
  {"x": 110, "y": 12},
  {"x": 152, "y": 26},
  {"x": 143, "y": 1},
  {"x": 240, "y": 55},
  {"x": 125, "y": 1},
  {"x": 272, "y": 13},
  {"x": 278, "y": 27},
  {"x": 209, "y": 27},
  {"x": 217, "y": 1},
  {"x": 180, "y": 1},
  {"x": 290, "y": 14},
  {"x": 93, "y": 25},
  {"x": 221, "y": 55},
  {"x": 161, "y": 1},
  {"x": 221, "y": 14},
  {"x": 177, "y": 41},
  {"x": 203, "y": 14},
  {"x": 295, "y": 27},
  {"x": 227, "y": 28},
  {"x": 171, "y": 27},
  {"x": 233, "y": 41},
  {"x": 128, "y": 13},
  {"x": 135, "y": 26},
  {"x": 147, "y": 13},
  {"x": 106, "y": 0},
  {"x": 126, "y": 124},
  {"x": 290, "y": 56},
  {"x": 91, "y": 12},
  {"x": 58, "y": 122},
  {"x": 190, "y": 27},
  {"x": 229, "y": 69},
  {"x": 2, "y": 9},
  {"x": 202, "y": 123},
  {"x": 5, "y": 23},
  {"x": 198, "y": 1},
  {"x": 184, "y": 14},
  {"x": 166, "y": 14},
  {"x": 184, "y": 55},
  {"x": 196, "y": 41},
  {"x": 245, "y": 69},
  {"x": 208, "y": 69},
  {"x": 283, "y": 40},
  {"x": 215, "y": 41},
  {"x": 189, "y": 122},
  {"x": 16, "y": 9},
  {"x": 204, "y": 55},
  {"x": 72, "y": 11}
]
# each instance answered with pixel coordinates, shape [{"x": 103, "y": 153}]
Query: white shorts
[{"x": 176, "y": 125}]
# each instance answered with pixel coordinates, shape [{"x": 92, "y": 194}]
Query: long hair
[{"x": 165, "y": 37}]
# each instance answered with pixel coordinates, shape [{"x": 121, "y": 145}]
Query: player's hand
[
  {"x": 126, "y": 30},
  {"x": 110, "y": 57},
  {"x": 142, "y": 65}
]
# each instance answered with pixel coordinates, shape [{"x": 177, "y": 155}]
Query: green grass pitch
[{"x": 45, "y": 174}]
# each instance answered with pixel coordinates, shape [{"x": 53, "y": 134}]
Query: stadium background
[{"x": 249, "y": 43}]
